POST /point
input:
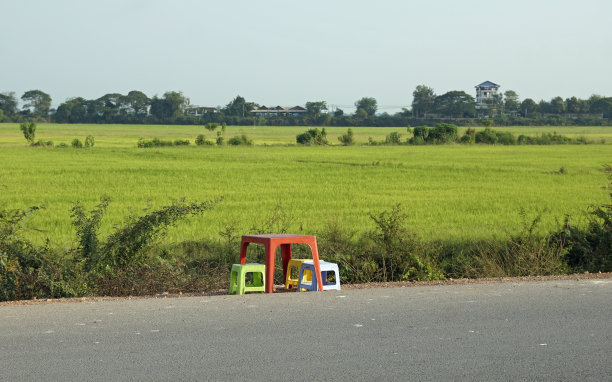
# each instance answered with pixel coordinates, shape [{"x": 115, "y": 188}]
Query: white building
[
  {"x": 486, "y": 95},
  {"x": 265, "y": 111}
]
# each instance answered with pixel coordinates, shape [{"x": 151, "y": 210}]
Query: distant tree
[
  {"x": 528, "y": 106},
  {"x": 338, "y": 112},
  {"x": 573, "y": 105},
  {"x": 169, "y": 107},
  {"x": 557, "y": 105},
  {"x": 110, "y": 107},
  {"x": 367, "y": 104},
  {"x": 37, "y": 102},
  {"x": 316, "y": 108},
  {"x": 544, "y": 107},
  {"x": 8, "y": 103},
  {"x": 138, "y": 102},
  {"x": 62, "y": 114},
  {"x": 177, "y": 102},
  {"x": 160, "y": 109},
  {"x": 423, "y": 99},
  {"x": 361, "y": 114},
  {"x": 239, "y": 107},
  {"x": 74, "y": 110},
  {"x": 511, "y": 101},
  {"x": 112, "y": 100},
  {"x": 604, "y": 106},
  {"x": 455, "y": 104},
  {"x": 29, "y": 131}
]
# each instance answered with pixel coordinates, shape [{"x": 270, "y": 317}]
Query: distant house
[
  {"x": 265, "y": 111},
  {"x": 199, "y": 110},
  {"x": 486, "y": 96}
]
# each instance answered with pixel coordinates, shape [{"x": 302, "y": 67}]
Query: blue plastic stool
[{"x": 325, "y": 267}]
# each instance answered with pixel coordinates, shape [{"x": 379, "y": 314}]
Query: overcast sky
[{"x": 289, "y": 52}]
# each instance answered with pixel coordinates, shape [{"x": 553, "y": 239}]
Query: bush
[
  {"x": 525, "y": 254},
  {"x": 442, "y": 133},
  {"x": 418, "y": 140},
  {"x": 202, "y": 141},
  {"x": 420, "y": 132},
  {"x": 155, "y": 142},
  {"x": 122, "y": 264},
  {"x": 28, "y": 271},
  {"x": 240, "y": 140},
  {"x": 524, "y": 140},
  {"x": 469, "y": 137},
  {"x": 486, "y": 122},
  {"x": 312, "y": 137},
  {"x": 90, "y": 141},
  {"x": 126, "y": 246},
  {"x": 506, "y": 138},
  {"x": 76, "y": 143},
  {"x": 550, "y": 139},
  {"x": 590, "y": 248},
  {"x": 394, "y": 138},
  {"x": 487, "y": 136},
  {"x": 211, "y": 126},
  {"x": 43, "y": 143},
  {"x": 29, "y": 131},
  {"x": 347, "y": 139},
  {"x": 396, "y": 251},
  {"x": 181, "y": 142},
  {"x": 159, "y": 143}
]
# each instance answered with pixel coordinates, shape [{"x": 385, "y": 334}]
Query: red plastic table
[{"x": 271, "y": 244}]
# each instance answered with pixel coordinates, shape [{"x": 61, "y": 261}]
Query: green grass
[
  {"x": 127, "y": 135},
  {"x": 450, "y": 192}
]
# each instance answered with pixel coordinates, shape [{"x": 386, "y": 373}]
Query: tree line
[{"x": 173, "y": 107}]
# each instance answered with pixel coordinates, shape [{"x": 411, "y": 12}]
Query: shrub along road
[{"x": 547, "y": 330}]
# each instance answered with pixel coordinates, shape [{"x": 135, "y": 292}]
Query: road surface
[{"x": 549, "y": 330}]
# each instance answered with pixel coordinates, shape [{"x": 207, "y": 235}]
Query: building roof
[
  {"x": 487, "y": 84},
  {"x": 279, "y": 109}
]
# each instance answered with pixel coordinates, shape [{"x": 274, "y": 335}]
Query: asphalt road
[{"x": 553, "y": 330}]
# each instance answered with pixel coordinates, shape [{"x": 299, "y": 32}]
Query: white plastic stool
[{"x": 325, "y": 267}]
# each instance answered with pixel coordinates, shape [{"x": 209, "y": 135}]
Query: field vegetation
[{"x": 382, "y": 212}]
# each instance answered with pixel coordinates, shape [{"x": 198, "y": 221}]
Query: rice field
[{"x": 450, "y": 192}]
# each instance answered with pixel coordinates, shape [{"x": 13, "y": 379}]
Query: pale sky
[{"x": 289, "y": 52}]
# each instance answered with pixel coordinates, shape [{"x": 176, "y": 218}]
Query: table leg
[
  {"x": 243, "y": 251},
  {"x": 270, "y": 257},
  {"x": 286, "y": 256}
]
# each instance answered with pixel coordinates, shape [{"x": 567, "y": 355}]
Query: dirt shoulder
[{"x": 395, "y": 284}]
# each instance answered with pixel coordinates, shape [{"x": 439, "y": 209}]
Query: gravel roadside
[{"x": 279, "y": 289}]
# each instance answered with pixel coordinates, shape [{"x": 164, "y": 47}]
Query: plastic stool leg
[
  {"x": 232, "y": 286},
  {"x": 242, "y": 281}
]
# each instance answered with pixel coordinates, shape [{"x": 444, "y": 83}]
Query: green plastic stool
[{"x": 238, "y": 284}]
